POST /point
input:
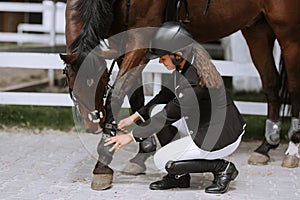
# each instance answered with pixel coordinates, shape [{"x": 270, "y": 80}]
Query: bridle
[{"x": 95, "y": 115}]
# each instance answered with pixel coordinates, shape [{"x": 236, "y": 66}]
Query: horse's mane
[{"x": 96, "y": 17}]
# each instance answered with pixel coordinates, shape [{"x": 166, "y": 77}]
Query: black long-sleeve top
[{"x": 211, "y": 116}]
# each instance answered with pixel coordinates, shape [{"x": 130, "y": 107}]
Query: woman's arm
[
  {"x": 167, "y": 116},
  {"x": 163, "y": 97}
]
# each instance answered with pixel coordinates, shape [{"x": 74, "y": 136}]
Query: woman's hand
[
  {"x": 128, "y": 121},
  {"x": 124, "y": 123},
  {"x": 119, "y": 141}
]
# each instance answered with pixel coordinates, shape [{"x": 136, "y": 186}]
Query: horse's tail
[
  {"x": 96, "y": 17},
  {"x": 283, "y": 91}
]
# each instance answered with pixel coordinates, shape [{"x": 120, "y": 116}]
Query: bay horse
[{"x": 261, "y": 22}]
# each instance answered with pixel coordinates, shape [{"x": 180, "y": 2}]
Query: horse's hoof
[
  {"x": 134, "y": 169},
  {"x": 101, "y": 181},
  {"x": 290, "y": 161},
  {"x": 258, "y": 159}
]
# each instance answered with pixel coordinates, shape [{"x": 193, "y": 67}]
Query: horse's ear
[{"x": 67, "y": 58}]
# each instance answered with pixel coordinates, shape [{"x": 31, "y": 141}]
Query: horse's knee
[{"x": 271, "y": 92}]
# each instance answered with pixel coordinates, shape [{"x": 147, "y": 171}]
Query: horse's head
[{"x": 87, "y": 82}]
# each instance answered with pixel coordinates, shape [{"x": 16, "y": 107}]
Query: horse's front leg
[
  {"x": 102, "y": 173},
  {"x": 260, "y": 39},
  {"x": 129, "y": 82}
]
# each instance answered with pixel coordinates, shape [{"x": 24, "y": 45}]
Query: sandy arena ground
[{"x": 58, "y": 165}]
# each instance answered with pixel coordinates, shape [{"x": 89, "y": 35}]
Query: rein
[
  {"x": 206, "y": 8},
  {"x": 112, "y": 128},
  {"x": 179, "y": 4},
  {"x": 109, "y": 87},
  {"x": 126, "y": 24},
  {"x": 185, "y": 2}
]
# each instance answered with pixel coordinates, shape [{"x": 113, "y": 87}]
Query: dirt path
[
  {"x": 14, "y": 77},
  {"x": 10, "y": 77}
]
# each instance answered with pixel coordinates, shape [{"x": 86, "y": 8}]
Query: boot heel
[{"x": 234, "y": 175}]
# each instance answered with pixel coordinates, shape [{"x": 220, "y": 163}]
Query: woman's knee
[
  {"x": 160, "y": 160},
  {"x": 172, "y": 151}
]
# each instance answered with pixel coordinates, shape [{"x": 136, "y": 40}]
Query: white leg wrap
[{"x": 293, "y": 149}]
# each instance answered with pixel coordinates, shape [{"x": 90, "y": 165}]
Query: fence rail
[
  {"x": 52, "y": 61},
  {"x": 48, "y": 36},
  {"x": 23, "y": 7}
]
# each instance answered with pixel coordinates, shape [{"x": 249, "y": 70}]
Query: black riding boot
[
  {"x": 222, "y": 179},
  {"x": 223, "y": 171}
]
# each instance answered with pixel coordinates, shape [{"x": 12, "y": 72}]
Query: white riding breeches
[{"x": 185, "y": 149}]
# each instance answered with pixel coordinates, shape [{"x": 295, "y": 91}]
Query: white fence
[
  {"x": 52, "y": 61},
  {"x": 236, "y": 49},
  {"x": 53, "y": 23}
]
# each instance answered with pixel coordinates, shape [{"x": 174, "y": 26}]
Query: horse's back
[{"x": 221, "y": 17}]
